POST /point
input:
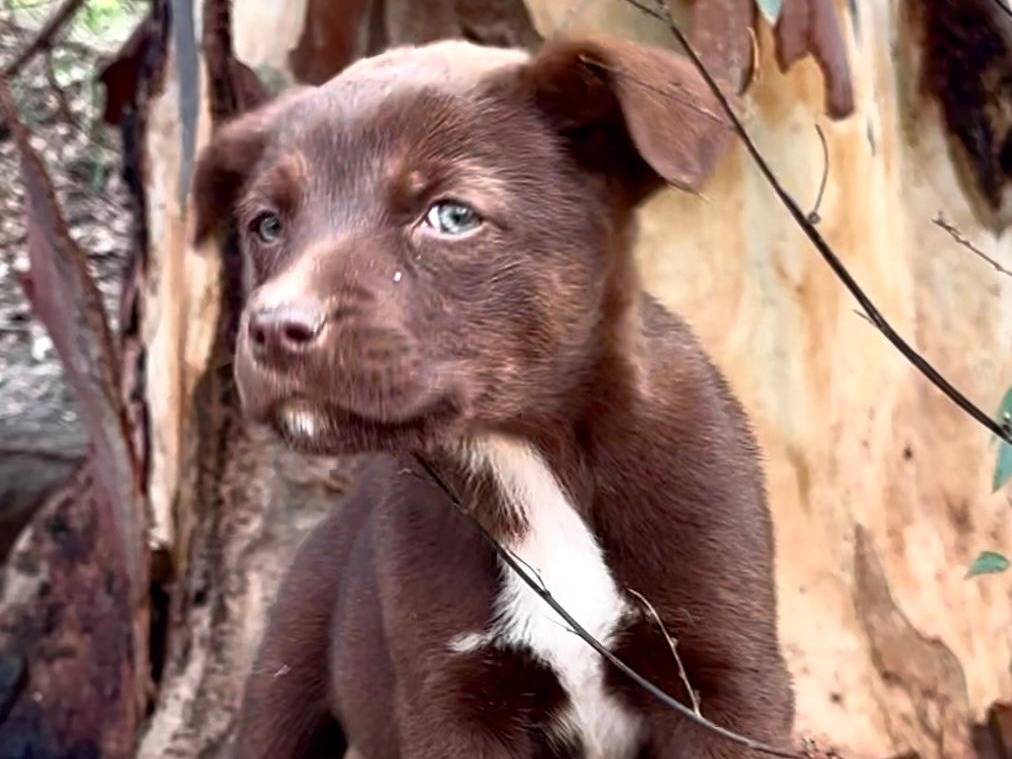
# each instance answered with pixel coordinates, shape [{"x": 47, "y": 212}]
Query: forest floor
[{"x": 61, "y": 104}]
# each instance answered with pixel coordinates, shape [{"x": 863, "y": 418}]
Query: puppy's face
[{"x": 432, "y": 237}]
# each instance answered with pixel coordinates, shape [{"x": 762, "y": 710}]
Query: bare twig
[
  {"x": 668, "y": 92},
  {"x": 864, "y": 316},
  {"x": 672, "y": 644},
  {"x": 44, "y": 37},
  {"x": 825, "y": 250},
  {"x": 756, "y": 72},
  {"x": 939, "y": 221},
  {"x": 74, "y": 46},
  {"x": 507, "y": 557},
  {"x": 813, "y": 215},
  {"x": 529, "y": 568},
  {"x": 62, "y": 104},
  {"x": 23, "y": 5}
]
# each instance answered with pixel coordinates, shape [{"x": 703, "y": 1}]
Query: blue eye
[
  {"x": 452, "y": 218},
  {"x": 268, "y": 228}
]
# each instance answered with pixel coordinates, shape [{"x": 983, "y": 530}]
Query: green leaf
[
  {"x": 98, "y": 16},
  {"x": 1005, "y": 409},
  {"x": 770, "y": 9},
  {"x": 1003, "y": 468},
  {"x": 988, "y": 563}
]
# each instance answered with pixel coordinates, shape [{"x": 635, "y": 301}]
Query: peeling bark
[
  {"x": 810, "y": 27},
  {"x": 27, "y": 477},
  {"x": 73, "y": 615},
  {"x": 337, "y": 33},
  {"x": 722, "y": 35},
  {"x": 925, "y": 670},
  {"x": 333, "y": 35},
  {"x": 64, "y": 296},
  {"x": 968, "y": 70},
  {"x": 66, "y": 634}
]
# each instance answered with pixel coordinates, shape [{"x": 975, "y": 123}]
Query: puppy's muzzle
[
  {"x": 339, "y": 361},
  {"x": 284, "y": 336}
]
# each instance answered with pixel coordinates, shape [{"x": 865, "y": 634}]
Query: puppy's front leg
[
  {"x": 748, "y": 707},
  {"x": 285, "y": 712},
  {"x": 424, "y": 738},
  {"x": 459, "y": 712},
  {"x": 462, "y": 742}
]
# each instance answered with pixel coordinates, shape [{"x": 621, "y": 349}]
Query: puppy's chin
[
  {"x": 419, "y": 410},
  {"x": 313, "y": 428}
]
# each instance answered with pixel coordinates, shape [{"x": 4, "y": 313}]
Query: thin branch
[
  {"x": 939, "y": 221},
  {"x": 62, "y": 104},
  {"x": 813, "y": 215},
  {"x": 825, "y": 250},
  {"x": 26, "y": 6},
  {"x": 529, "y": 568},
  {"x": 546, "y": 596},
  {"x": 756, "y": 72},
  {"x": 672, "y": 644},
  {"x": 864, "y": 316},
  {"x": 668, "y": 92},
  {"x": 74, "y": 46},
  {"x": 44, "y": 37}
]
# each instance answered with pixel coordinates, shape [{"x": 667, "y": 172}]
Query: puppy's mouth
[
  {"x": 325, "y": 405},
  {"x": 311, "y": 427}
]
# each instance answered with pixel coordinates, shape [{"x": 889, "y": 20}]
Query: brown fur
[{"x": 533, "y": 327}]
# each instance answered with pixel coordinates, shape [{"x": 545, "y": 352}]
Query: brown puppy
[{"x": 439, "y": 242}]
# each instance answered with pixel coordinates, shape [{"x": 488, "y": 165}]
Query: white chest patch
[{"x": 563, "y": 552}]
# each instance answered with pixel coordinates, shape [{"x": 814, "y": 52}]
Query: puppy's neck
[
  {"x": 516, "y": 478},
  {"x": 502, "y": 476}
]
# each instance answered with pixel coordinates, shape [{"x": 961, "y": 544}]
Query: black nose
[{"x": 278, "y": 335}]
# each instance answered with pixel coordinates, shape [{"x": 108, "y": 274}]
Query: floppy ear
[
  {"x": 221, "y": 171},
  {"x": 224, "y": 165},
  {"x": 616, "y": 102}
]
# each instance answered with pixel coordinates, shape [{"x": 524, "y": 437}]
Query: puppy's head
[{"x": 437, "y": 235}]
